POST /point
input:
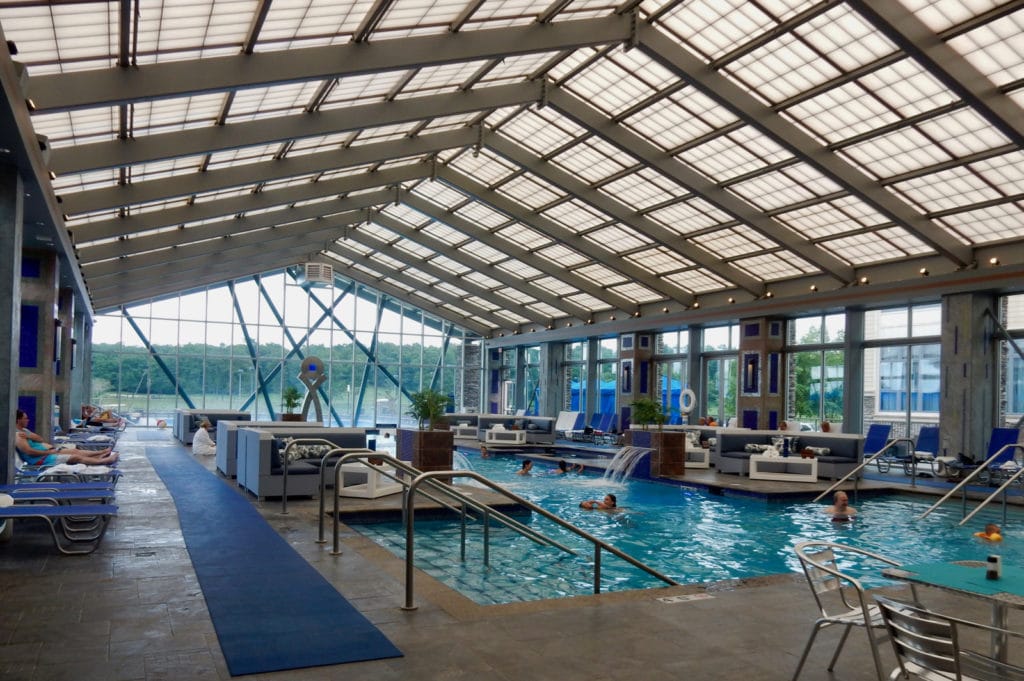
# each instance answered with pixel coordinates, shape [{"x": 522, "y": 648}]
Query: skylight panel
[
  {"x": 562, "y": 256},
  {"x": 541, "y": 132},
  {"x": 75, "y": 27},
  {"x": 728, "y": 156},
  {"x": 940, "y": 15},
  {"x": 659, "y": 260},
  {"x": 668, "y": 123},
  {"x": 511, "y": 318},
  {"x": 404, "y": 214},
  {"x": 557, "y": 287},
  {"x": 483, "y": 215},
  {"x": 1006, "y": 172},
  {"x": 638, "y": 293},
  {"x": 439, "y": 79},
  {"x": 782, "y": 68},
  {"x": 575, "y": 215},
  {"x": 775, "y": 266},
  {"x": 179, "y": 113},
  {"x": 865, "y": 248},
  {"x": 523, "y": 236},
  {"x": 523, "y": 270},
  {"x": 514, "y": 69},
  {"x": 697, "y": 281},
  {"x": 996, "y": 49},
  {"x": 908, "y": 88},
  {"x": 447, "y": 234},
  {"x": 618, "y": 239},
  {"x": 454, "y": 291},
  {"x": 482, "y": 251},
  {"x": 827, "y": 219},
  {"x": 378, "y": 231},
  {"x": 68, "y": 128},
  {"x": 546, "y": 311},
  {"x": 846, "y": 37},
  {"x": 593, "y": 160},
  {"x": 482, "y": 280},
  {"x": 841, "y": 113},
  {"x": 588, "y": 302},
  {"x": 715, "y": 27},
  {"x": 414, "y": 248},
  {"x": 900, "y": 151},
  {"x": 168, "y": 168},
  {"x": 601, "y": 275},
  {"x": 988, "y": 224},
  {"x": 442, "y": 194},
  {"x": 642, "y": 189},
  {"x": 948, "y": 189},
  {"x": 689, "y": 216},
  {"x": 529, "y": 191},
  {"x": 288, "y": 20},
  {"x": 37, "y": 38},
  {"x": 95, "y": 179},
  {"x": 963, "y": 132},
  {"x": 272, "y": 101},
  {"x": 237, "y": 157},
  {"x": 485, "y": 167},
  {"x": 783, "y": 187},
  {"x": 735, "y": 241},
  {"x": 620, "y": 80}
]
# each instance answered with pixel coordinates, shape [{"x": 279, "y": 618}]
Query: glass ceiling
[{"x": 579, "y": 160}]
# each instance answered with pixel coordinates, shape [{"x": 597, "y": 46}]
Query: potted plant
[
  {"x": 290, "y": 398},
  {"x": 429, "y": 448},
  {"x": 668, "y": 449},
  {"x": 646, "y": 411}
]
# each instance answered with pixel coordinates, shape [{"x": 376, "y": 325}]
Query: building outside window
[
  {"x": 574, "y": 376},
  {"x": 816, "y": 371},
  {"x": 720, "y": 349},
  {"x": 672, "y": 371}
]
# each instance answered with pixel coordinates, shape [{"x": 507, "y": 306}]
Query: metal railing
[
  {"x": 284, "y": 465},
  {"x": 436, "y": 487},
  {"x": 962, "y": 486},
  {"x": 864, "y": 464},
  {"x": 427, "y": 478}
]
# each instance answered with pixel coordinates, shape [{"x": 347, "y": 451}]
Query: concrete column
[
  {"x": 636, "y": 372},
  {"x": 552, "y": 380},
  {"x": 853, "y": 373},
  {"x": 62, "y": 370},
  {"x": 11, "y": 198},
  {"x": 969, "y": 370}
]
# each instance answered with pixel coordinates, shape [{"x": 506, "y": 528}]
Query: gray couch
[
  {"x": 539, "y": 429},
  {"x": 846, "y": 452},
  {"x": 227, "y": 440},
  {"x": 260, "y": 453}
]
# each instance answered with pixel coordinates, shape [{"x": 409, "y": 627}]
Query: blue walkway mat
[{"x": 271, "y": 609}]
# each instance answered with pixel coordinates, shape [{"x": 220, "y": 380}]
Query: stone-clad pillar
[
  {"x": 636, "y": 372},
  {"x": 11, "y": 197},
  {"x": 969, "y": 370},
  {"x": 761, "y": 374},
  {"x": 37, "y": 379}
]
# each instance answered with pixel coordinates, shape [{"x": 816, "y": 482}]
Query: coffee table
[{"x": 761, "y": 468}]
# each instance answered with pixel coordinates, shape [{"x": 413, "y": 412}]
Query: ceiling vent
[{"x": 318, "y": 273}]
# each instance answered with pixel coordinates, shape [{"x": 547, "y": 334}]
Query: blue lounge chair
[
  {"x": 875, "y": 440},
  {"x": 926, "y": 449},
  {"x": 76, "y": 529}
]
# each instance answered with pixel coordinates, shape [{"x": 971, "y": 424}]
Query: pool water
[{"x": 687, "y": 534}]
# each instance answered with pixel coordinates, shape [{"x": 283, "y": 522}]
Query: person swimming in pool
[
  {"x": 526, "y": 468},
  {"x": 610, "y": 503},
  {"x": 564, "y": 468},
  {"x": 840, "y": 510},
  {"x": 992, "y": 532}
]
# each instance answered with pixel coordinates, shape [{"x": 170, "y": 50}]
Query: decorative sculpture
[{"x": 312, "y": 376}]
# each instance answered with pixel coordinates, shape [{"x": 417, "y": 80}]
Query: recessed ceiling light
[
  {"x": 924, "y": 272},
  {"x": 814, "y": 288},
  {"x": 993, "y": 261}
]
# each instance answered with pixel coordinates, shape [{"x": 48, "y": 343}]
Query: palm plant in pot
[
  {"x": 646, "y": 411},
  {"x": 290, "y": 398},
  {"x": 429, "y": 448}
]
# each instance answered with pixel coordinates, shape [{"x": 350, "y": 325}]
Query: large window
[
  {"x": 719, "y": 360},
  {"x": 1012, "y": 352},
  {"x": 531, "y": 376},
  {"x": 574, "y": 375},
  {"x": 237, "y": 345},
  {"x": 607, "y": 375},
  {"x": 672, "y": 371},
  {"x": 902, "y": 367},
  {"x": 816, "y": 370}
]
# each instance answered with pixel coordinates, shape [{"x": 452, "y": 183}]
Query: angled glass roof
[{"x": 517, "y": 165}]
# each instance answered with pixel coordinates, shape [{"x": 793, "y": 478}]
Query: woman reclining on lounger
[{"x": 35, "y": 451}]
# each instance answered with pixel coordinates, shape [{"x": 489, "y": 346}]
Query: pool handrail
[
  {"x": 437, "y": 486},
  {"x": 866, "y": 462},
  {"x": 598, "y": 543},
  {"x": 963, "y": 484}
]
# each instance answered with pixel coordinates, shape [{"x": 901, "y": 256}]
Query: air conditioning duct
[{"x": 318, "y": 273}]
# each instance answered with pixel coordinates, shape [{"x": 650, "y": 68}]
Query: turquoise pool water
[{"x": 687, "y": 534}]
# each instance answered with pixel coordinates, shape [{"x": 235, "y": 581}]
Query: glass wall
[
  {"x": 719, "y": 361},
  {"x": 816, "y": 370},
  {"x": 607, "y": 376},
  {"x": 902, "y": 367},
  {"x": 672, "y": 371},
  {"x": 237, "y": 345},
  {"x": 574, "y": 376},
  {"x": 531, "y": 379},
  {"x": 1012, "y": 352}
]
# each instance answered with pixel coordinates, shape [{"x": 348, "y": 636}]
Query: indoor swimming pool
[{"x": 688, "y": 534}]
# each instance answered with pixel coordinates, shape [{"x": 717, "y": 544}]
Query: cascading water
[
  {"x": 461, "y": 462},
  {"x": 620, "y": 468}
]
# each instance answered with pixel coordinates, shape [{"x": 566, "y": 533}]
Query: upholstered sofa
[
  {"x": 227, "y": 440},
  {"x": 539, "y": 429},
  {"x": 732, "y": 455},
  {"x": 260, "y": 453}
]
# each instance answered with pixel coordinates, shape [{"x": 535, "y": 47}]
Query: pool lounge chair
[
  {"x": 76, "y": 529},
  {"x": 1006, "y": 463}
]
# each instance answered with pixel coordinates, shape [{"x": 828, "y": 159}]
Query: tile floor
[{"x": 133, "y": 611}]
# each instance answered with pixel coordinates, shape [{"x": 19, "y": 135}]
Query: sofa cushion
[{"x": 309, "y": 452}]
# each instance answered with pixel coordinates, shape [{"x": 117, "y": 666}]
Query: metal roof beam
[
  {"x": 149, "y": 82},
  {"x": 200, "y": 141},
  {"x": 711, "y": 83}
]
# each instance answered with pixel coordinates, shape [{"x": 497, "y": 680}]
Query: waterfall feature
[
  {"x": 620, "y": 468},
  {"x": 460, "y": 461}
]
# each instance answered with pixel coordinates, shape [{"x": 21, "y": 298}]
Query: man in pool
[
  {"x": 610, "y": 503},
  {"x": 564, "y": 468},
  {"x": 840, "y": 510},
  {"x": 526, "y": 468}
]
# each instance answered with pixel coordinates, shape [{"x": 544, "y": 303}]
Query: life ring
[
  {"x": 160, "y": 423},
  {"x": 687, "y": 401}
]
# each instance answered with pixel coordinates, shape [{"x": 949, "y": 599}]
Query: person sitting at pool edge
[
  {"x": 990, "y": 533},
  {"x": 840, "y": 510},
  {"x": 564, "y": 468},
  {"x": 526, "y": 467},
  {"x": 610, "y": 503}
]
